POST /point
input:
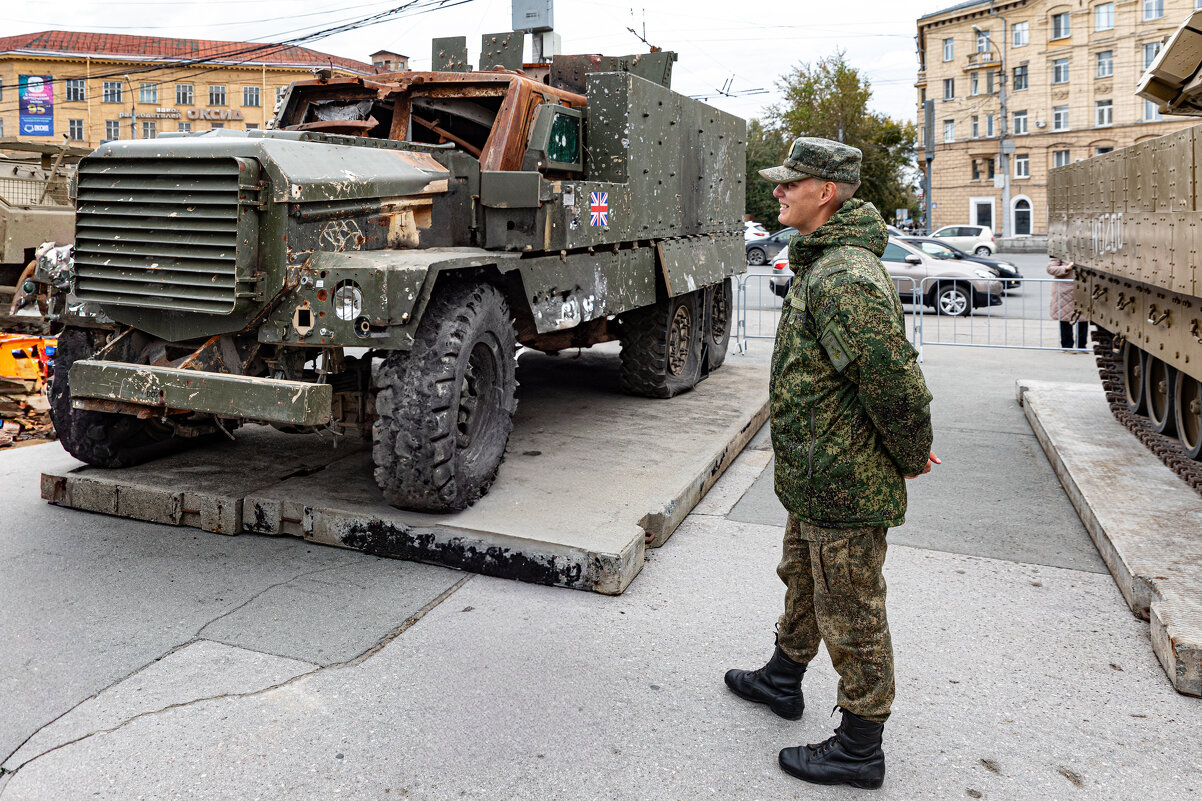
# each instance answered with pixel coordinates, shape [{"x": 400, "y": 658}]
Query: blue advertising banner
[{"x": 35, "y": 94}]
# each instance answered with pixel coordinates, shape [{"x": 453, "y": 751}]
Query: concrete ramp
[
  {"x": 591, "y": 478},
  {"x": 1145, "y": 521}
]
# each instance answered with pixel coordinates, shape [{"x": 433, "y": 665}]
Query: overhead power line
[{"x": 260, "y": 50}]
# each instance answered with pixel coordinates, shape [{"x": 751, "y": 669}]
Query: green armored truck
[{"x": 431, "y": 224}]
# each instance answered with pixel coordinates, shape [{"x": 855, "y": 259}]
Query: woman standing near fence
[{"x": 1062, "y": 306}]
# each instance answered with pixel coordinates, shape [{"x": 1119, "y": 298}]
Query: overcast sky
[{"x": 745, "y": 46}]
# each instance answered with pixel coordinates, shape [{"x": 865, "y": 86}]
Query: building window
[
  {"x": 1059, "y": 158},
  {"x": 183, "y": 94},
  {"x": 75, "y": 90},
  {"x": 949, "y": 130},
  {"x": 184, "y": 127},
  {"x": 1153, "y": 9},
  {"x": 75, "y": 130},
  {"x": 1060, "y": 71},
  {"x": 1151, "y": 112},
  {"x": 976, "y": 126},
  {"x": 1060, "y": 29},
  {"x": 1022, "y": 165},
  {"x": 1104, "y": 149},
  {"x": 974, "y": 86},
  {"x": 1103, "y": 112},
  {"x": 922, "y": 93},
  {"x": 949, "y": 49},
  {"x": 1105, "y": 64},
  {"x": 949, "y": 88},
  {"x": 1020, "y": 78},
  {"x": 216, "y": 126},
  {"x": 1060, "y": 118},
  {"x": 216, "y": 95},
  {"x": 990, "y": 165},
  {"x": 989, "y": 82},
  {"x": 983, "y": 41},
  {"x": 1022, "y": 34},
  {"x": 148, "y": 93},
  {"x": 112, "y": 129},
  {"x": 1150, "y": 51},
  {"x": 252, "y": 126},
  {"x": 150, "y": 129},
  {"x": 1020, "y": 122},
  {"x": 111, "y": 92},
  {"x": 989, "y": 125},
  {"x": 1103, "y": 17},
  {"x": 250, "y": 96},
  {"x": 976, "y": 171}
]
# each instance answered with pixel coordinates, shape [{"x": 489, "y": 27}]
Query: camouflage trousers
[{"x": 835, "y": 593}]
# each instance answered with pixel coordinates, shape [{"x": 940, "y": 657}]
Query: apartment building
[
  {"x": 94, "y": 87},
  {"x": 1021, "y": 86}
]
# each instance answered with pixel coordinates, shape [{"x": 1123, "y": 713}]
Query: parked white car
[
  {"x": 976, "y": 239},
  {"x": 753, "y": 231}
]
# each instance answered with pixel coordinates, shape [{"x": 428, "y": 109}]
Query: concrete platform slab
[
  {"x": 1146, "y": 522},
  {"x": 591, "y": 478}
]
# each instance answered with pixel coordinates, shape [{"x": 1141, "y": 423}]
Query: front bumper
[{"x": 167, "y": 389}]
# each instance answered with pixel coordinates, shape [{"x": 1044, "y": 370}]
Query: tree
[
  {"x": 765, "y": 148},
  {"x": 830, "y": 99}
]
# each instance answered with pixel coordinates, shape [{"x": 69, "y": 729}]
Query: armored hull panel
[{"x": 1131, "y": 222}]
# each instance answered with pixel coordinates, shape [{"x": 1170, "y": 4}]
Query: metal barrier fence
[
  {"x": 1014, "y": 313},
  {"x": 759, "y": 308}
]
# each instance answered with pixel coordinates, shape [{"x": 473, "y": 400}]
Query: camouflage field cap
[{"x": 812, "y": 157}]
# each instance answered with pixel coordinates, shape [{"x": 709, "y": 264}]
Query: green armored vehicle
[{"x": 429, "y": 222}]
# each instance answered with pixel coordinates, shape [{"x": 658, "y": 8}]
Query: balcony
[{"x": 978, "y": 61}]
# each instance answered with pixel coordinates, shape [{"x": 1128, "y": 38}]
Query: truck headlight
[{"x": 348, "y": 301}]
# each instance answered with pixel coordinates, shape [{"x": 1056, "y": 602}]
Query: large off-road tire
[
  {"x": 661, "y": 346},
  {"x": 446, "y": 408},
  {"x": 102, "y": 439},
  {"x": 719, "y": 303}
]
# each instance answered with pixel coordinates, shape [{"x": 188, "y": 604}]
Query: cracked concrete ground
[{"x": 166, "y": 663}]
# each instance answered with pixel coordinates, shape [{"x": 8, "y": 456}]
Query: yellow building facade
[
  {"x": 1020, "y": 87},
  {"x": 90, "y": 88}
]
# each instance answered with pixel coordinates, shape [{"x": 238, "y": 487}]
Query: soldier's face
[{"x": 802, "y": 203}]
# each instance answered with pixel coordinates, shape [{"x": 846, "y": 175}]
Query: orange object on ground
[{"x": 26, "y": 358}]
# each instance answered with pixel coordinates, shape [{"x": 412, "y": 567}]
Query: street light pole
[
  {"x": 1003, "y": 219},
  {"x": 133, "y": 110}
]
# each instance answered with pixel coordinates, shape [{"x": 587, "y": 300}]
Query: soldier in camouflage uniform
[{"x": 850, "y": 420}]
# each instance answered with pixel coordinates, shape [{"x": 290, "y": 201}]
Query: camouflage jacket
[{"x": 850, "y": 408}]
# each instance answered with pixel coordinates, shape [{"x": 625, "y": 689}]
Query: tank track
[{"x": 1167, "y": 449}]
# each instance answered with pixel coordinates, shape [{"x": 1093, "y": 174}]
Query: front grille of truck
[{"x": 158, "y": 233}]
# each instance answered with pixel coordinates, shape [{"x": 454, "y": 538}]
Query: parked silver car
[{"x": 950, "y": 287}]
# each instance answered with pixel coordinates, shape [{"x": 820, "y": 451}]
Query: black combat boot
[
  {"x": 777, "y": 684},
  {"x": 853, "y": 756}
]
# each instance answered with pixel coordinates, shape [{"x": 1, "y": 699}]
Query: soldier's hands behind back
[{"x": 931, "y": 461}]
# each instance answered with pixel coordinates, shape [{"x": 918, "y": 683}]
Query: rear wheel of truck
[
  {"x": 445, "y": 409},
  {"x": 102, "y": 439},
  {"x": 661, "y": 346},
  {"x": 719, "y": 303}
]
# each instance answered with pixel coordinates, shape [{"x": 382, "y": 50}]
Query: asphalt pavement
[{"x": 144, "y": 661}]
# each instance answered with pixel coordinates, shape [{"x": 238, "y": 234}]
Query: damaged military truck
[{"x": 430, "y": 222}]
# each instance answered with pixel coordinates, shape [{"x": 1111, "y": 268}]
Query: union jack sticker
[{"x": 598, "y": 208}]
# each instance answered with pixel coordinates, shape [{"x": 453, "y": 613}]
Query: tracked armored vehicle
[
  {"x": 429, "y": 223},
  {"x": 1131, "y": 221}
]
